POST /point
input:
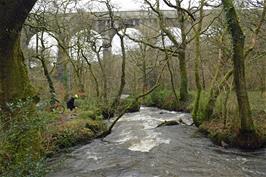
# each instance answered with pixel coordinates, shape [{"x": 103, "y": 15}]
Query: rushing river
[{"x": 136, "y": 148}]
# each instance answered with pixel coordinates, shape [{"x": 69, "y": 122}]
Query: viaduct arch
[{"x": 65, "y": 26}]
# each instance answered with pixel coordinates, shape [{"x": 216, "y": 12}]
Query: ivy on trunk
[
  {"x": 14, "y": 81},
  {"x": 238, "y": 42}
]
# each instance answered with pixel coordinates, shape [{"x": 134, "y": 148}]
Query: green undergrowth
[
  {"x": 165, "y": 99},
  {"x": 68, "y": 133},
  {"x": 229, "y": 135},
  {"x": 129, "y": 104},
  {"x": 223, "y": 126},
  {"x": 95, "y": 109},
  {"x": 28, "y": 137}
]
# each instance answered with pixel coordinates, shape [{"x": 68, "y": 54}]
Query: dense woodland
[{"x": 210, "y": 62}]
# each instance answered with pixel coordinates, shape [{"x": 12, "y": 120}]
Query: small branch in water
[{"x": 168, "y": 123}]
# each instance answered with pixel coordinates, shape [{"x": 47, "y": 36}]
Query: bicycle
[{"x": 57, "y": 107}]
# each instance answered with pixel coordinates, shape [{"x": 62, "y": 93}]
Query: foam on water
[
  {"x": 146, "y": 121},
  {"x": 149, "y": 142},
  {"x": 125, "y": 136},
  {"x": 91, "y": 155},
  {"x": 142, "y": 137}
]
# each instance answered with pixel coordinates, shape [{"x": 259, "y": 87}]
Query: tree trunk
[
  {"x": 214, "y": 93},
  {"x": 183, "y": 76},
  {"x": 225, "y": 102},
  {"x": 104, "y": 94},
  {"x": 171, "y": 76},
  {"x": 14, "y": 81},
  {"x": 197, "y": 78},
  {"x": 197, "y": 62},
  {"x": 45, "y": 68},
  {"x": 123, "y": 75},
  {"x": 262, "y": 77},
  {"x": 50, "y": 82},
  {"x": 238, "y": 40},
  {"x": 144, "y": 75},
  {"x": 61, "y": 73},
  {"x": 167, "y": 58},
  {"x": 184, "y": 96},
  {"x": 182, "y": 55},
  {"x": 92, "y": 74},
  {"x": 144, "y": 69},
  {"x": 202, "y": 74}
]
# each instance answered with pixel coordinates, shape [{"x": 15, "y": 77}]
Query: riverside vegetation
[
  {"x": 221, "y": 126},
  {"x": 212, "y": 65},
  {"x": 36, "y": 135}
]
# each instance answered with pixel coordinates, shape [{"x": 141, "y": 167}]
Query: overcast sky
[
  {"x": 125, "y": 5},
  {"x": 122, "y": 5}
]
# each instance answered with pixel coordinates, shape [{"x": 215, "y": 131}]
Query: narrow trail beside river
[{"x": 136, "y": 148}]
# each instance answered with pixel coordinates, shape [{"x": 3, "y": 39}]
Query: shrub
[
  {"x": 31, "y": 136},
  {"x": 130, "y": 104},
  {"x": 21, "y": 150},
  {"x": 86, "y": 104},
  {"x": 162, "y": 98},
  {"x": 90, "y": 114},
  {"x": 70, "y": 133}
]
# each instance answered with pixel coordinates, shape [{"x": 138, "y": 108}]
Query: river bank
[{"x": 222, "y": 125}]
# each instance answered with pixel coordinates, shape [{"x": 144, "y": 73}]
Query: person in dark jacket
[{"x": 71, "y": 103}]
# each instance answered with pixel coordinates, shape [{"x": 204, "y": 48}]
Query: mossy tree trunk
[
  {"x": 183, "y": 76},
  {"x": 262, "y": 78},
  {"x": 182, "y": 54},
  {"x": 103, "y": 72},
  {"x": 238, "y": 41},
  {"x": 42, "y": 58},
  {"x": 104, "y": 94},
  {"x": 61, "y": 68},
  {"x": 116, "y": 100},
  {"x": 144, "y": 68},
  {"x": 14, "y": 81},
  {"x": 167, "y": 58},
  {"x": 197, "y": 63},
  {"x": 92, "y": 74},
  {"x": 123, "y": 73}
]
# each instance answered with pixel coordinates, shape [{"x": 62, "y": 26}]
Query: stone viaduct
[{"x": 64, "y": 26}]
